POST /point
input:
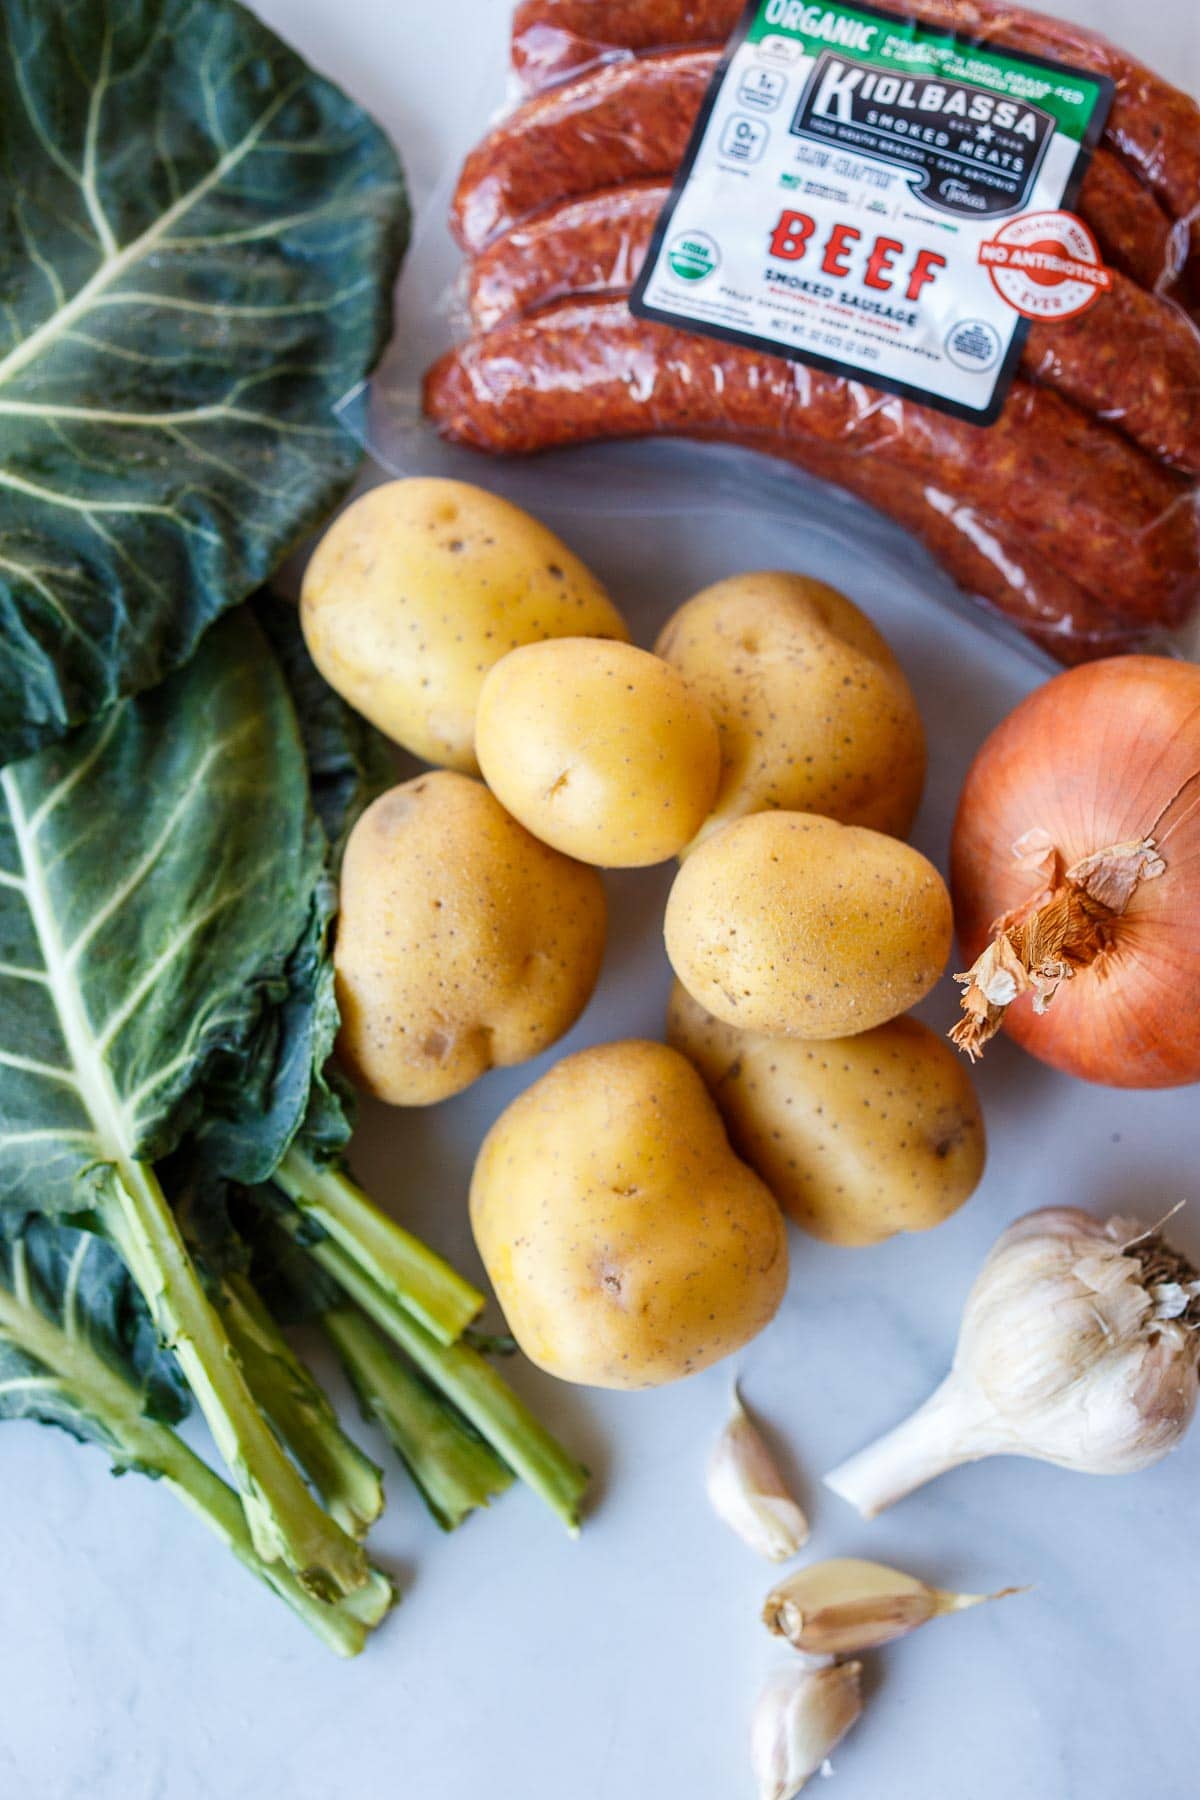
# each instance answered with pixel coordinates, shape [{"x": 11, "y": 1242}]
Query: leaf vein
[{"x": 113, "y": 267}]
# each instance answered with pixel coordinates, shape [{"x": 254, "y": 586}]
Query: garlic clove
[
  {"x": 832, "y": 1608},
  {"x": 801, "y": 1716},
  {"x": 748, "y": 1492}
]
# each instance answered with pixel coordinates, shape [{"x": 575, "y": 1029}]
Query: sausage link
[
  {"x": 985, "y": 556},
  {"x": 1131, "y": 359},
  {"x": 1153, "y": 125},
  {"x": 613, "y": 126},
  {"x": 1093, "y": 506},
  {"x": 554, "y": 39},
  {"x": 632, "y": 122},
  {"x": 544, "y": 54},
  {"x": 593, "y": 245},
  {"x": 597, "y": 245},
  {"x": 1133, "y": 232}
]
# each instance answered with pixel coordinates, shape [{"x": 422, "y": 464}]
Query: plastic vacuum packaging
[
  {"x": 1152, "y": 126},
  {"x": 940, "y": 254}
]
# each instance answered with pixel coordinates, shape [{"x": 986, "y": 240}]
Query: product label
[{"x": 883, "y": 199}]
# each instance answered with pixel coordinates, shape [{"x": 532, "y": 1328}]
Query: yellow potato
[
  {"x": 463, "y": 943},
  {"x": 419, "y": 587},
  {"x": 599, "y": 749},
  {"x": 814, "y": 711},
  {"x": 858, "y": 1138},
  {"x": 626, "y": 1242},
  {"x": 796, "y": 926}
]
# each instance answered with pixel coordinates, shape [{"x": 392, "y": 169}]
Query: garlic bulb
[
  {"x": 748, "y": 1492},
  {"x": 801, "y": 1715},
  {"x": 1079, "y": 1346},
  {"x": 832, "y": 1608}
]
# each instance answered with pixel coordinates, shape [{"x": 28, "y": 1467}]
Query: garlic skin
[
  {"x": 801, "y": 1716},
  {"x": 1079, "y": 1346},
  {"x": 844, "y": 1605},
  {"x": 748, "y": 1492}
]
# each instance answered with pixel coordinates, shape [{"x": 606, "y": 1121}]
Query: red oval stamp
[{"x": 1046, "y": 265}]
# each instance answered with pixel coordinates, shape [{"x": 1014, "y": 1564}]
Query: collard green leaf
[
  {"x": 78, "y": 1351},
  {"x": 254, "y": 1101},
  {"x": 332, "y": 1105},
  {"x": 77, "y": 1346},
  {"x": 258, "y": 1095},
  {"x": 156, "y": 871},
  {"x": 350, "y": 763},
  {"x": 198, "y": 239},
  {"x": 297, "y": 1289}
]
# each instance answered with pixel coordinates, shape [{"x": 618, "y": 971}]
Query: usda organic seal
[{"x": 692, "y": 255}]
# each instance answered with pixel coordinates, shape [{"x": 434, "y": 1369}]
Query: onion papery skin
[{"x": 1102, "y": 755}]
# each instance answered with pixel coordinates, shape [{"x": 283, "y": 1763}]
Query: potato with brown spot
[
  {"x": 600, "y": 749},
  {"x": 419, "y": 587},
  {"x": 814, "y": 712},
  {"x": 627, "y": 1244},
  {"x": 796, "y": 926},
  {"x": 858, "y": 1138},
  {"x": 463, "y": 944}
]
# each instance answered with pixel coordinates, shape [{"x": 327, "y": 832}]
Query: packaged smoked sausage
[{"x": 943, "y": 256}]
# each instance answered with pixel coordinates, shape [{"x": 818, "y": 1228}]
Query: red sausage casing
[
  {"x": 984, "y": 554},
  {"x": 1152, "y": 124},
  {"x": 1131, "y": 358},
  {"x": 1094, "y": 507},
  {"x": 632, "y": 121}
]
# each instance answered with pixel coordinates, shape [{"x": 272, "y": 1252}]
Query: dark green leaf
[
  {"x": 258, "y": 1096},
  {"x": 349, "y": 762},
  {"x": 77, "y": 1350},
  {"x": 201, "y": 1204},
  {"x": 253, "y": 1101},
  {"x": 198, "y": 240},
  {"x": 156, "y": 871},
  {"x": 70, "y": 1316},
  {"x": 297, "y": 1290}
]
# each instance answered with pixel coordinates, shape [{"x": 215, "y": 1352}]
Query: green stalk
[
  {"x": 490, "y": 1343},
  {"x": 348, "y": 1482},
  {"x": 344, "y": 1626},
  {"x": 473, "y": 1385},
  {"x": 402, "y": 1266},
  {"x": 284, "y": 1518},
  {"x": 454, "y": 1471},
  {"x": 96, "y": 1390},
  {"x": 408, "y": 1272}
]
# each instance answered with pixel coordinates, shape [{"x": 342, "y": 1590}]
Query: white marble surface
[{"x": 141, "y": 1664}]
